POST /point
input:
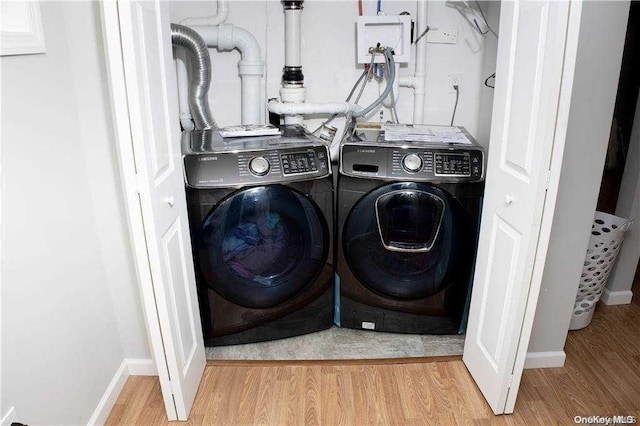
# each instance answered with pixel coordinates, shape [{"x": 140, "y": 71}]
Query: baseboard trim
[
  {"x": 616, "y": 297},
  {"x": 10, "y": 417},
  {"x": 108, "y": 400},
  {"x": 545, "y": 359},
  {"x": 141, "y": 367}
]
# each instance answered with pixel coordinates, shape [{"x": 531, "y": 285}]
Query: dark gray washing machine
[
  {"x": 261, "y": 219},
  {"x": 408, "y": 217}
]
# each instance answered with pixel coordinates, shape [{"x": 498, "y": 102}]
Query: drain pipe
[
  {"x": 292, "y": 90},
  {"x": 196, "y": 49},
  {"x": 222, "y": 12},
  {"x": 227, "y": 37},
  {"x": 292, "y": 93},
  {"x": 419, "y": 80}
]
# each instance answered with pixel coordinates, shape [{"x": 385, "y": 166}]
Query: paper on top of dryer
[
  {"x": 249, "y": 130},
  {"x": 425, "y": 133}
]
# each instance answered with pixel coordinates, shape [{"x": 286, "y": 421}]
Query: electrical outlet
[
  {"x": 443, "y": 35},
  {"x": 455, "y": 79}
]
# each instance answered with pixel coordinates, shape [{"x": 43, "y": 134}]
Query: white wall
[
  {"x": 601, "y": 41},
  {"x": 70, "y": 304},
  {"x": 619, "y": 285},
  {"x": 329, "y": 63}
]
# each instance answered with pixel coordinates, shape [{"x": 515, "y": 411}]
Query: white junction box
[{"x": 393, "y": 31}]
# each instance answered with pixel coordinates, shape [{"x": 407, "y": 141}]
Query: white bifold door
[
  {"x": 163, "y": 245},
  {"x": 536, "y": 57}
]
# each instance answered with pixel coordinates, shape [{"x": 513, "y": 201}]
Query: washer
[
  {"x": 407, "y": 228},
  {"x": 261, "y": 216}
]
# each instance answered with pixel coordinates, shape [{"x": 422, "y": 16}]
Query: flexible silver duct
[{"x": 198, "y": 54}]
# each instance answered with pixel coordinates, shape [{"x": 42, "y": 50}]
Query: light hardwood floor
[{"x": 601, "y": 377}]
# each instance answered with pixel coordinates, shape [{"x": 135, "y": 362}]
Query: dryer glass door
[
  {"x": 407, "y": 240},
  {"x": 262, "y": 246}
]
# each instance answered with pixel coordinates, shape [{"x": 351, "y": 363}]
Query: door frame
[{"x": 124, "y": 144}]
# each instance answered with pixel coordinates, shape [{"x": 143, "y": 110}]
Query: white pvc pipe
[
  {"x": 250, "y": 67},
  {"x": 406, "y": 81},
  {"x": 222, "y": 12},
  {"x": 251, "y": 103},
  {"x": 290, "y": 108},
  {"x": 420, "y": 80},
  {"x": 293, "y": 37}
]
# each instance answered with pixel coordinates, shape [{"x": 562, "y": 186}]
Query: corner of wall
[
  {"x": 622, "y": 297},
  {"x": 108, "y": 400},
  {"x": 141, "y": 367},
  {"x": 545, "y": 359}
]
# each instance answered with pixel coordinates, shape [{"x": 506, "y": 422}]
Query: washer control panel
[
  {"x": 453, "y": 164},
  {"x": 257, "y": 167},
  {"x": 300, "y": 162},
  {"x": 434, "y": 164}
]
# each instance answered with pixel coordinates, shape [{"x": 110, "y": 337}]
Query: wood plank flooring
[{"x": 601, "y": 377}]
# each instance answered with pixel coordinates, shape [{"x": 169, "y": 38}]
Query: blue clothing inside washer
[{"x": 252, "y": 248}]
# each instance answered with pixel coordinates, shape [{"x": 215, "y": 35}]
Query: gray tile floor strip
[{"x": 342, "y": 343}]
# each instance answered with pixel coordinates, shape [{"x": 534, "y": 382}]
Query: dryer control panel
[
  {"x": 257, "y": 167},
  {"x": 431, "y": 164}
]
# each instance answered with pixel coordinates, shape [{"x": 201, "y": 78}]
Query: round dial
[
  {"x": 259, "y": 166},
  {"x": 412, "y": 163}
]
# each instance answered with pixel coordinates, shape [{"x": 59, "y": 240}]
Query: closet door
[
  {"x": 536, "y": 58},
  {"x": 155, "y": 135}
]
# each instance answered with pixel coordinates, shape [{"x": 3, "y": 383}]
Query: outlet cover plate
[
  {"x": 452, "y": 80},
  {"x": 443, "y": 35}
]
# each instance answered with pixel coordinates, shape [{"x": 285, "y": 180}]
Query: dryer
[
  {"x": 261, "y": 216},
  {"x": 407, "y": 228}
]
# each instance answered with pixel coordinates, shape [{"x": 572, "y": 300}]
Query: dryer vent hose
[{"x": 198, "y": 54}]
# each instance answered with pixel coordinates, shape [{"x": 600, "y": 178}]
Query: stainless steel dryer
[
  {"x": 407, "y": 226},
  {"x": 261, "y": 216}
]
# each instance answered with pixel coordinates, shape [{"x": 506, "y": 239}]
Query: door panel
[
  {"x": 503, "y": 248},
  {"x": 530, "y": 65},
  {"x": 177, "y": 286},
  {"x": 156, "y": 123},
  {"x": 152, "y": 101}
]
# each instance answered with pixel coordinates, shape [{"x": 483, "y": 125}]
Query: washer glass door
[
  {"x": 406, "y": 240},
  {"x": 262, "y": 246}
]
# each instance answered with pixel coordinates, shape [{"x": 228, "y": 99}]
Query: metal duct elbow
[{"x": 198, "y": 54}]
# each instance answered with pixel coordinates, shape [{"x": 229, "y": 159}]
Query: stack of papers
[
  {"x": 422, "y": 133},
  {"x": 249, "y": 130}
]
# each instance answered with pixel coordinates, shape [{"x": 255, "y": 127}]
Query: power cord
[
  {"x": 455, "y": 107},
  {"x": 486, "y": 82}
]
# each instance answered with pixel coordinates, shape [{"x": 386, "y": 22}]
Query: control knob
[
  {"x": 259, "y": 166},
  {"x": 412, "y": 163}
]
